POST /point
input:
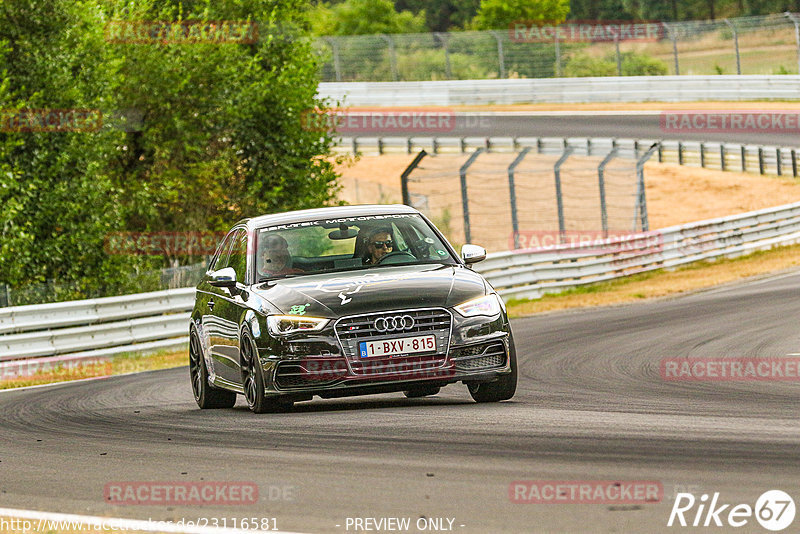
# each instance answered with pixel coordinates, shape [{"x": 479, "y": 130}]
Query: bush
[{"x": 582, "y": 64}]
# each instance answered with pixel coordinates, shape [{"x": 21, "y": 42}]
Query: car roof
[{"x": 324, "y": 213}]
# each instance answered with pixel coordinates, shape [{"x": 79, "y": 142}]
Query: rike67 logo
[{"x": 774, "y": 510}]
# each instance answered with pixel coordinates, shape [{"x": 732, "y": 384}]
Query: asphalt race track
[
  {"x": 628, "y": 125},
  {"x": 591, "y": 406}
]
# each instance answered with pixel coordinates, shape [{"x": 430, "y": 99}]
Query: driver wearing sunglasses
[{"x": 379, "y": 244}]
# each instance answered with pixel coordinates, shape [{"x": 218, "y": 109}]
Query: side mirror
[
  {"x": 223, "y": 278},
  {"x": 472, "y": 254}
]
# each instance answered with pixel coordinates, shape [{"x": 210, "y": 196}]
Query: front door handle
[{"x": 211, "y": 304}]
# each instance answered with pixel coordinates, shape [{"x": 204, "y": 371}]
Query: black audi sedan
[{"x": 344, "y": 301}]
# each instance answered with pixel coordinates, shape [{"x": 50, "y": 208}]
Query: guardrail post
[
  {"x": 641, "y": 199},
  {"x": 744, "y": 158},
  {"x": 409, "y": 145},
  {"x": 616, "y": 50},
  {"x": 796, "y": 35},
  {"x": 337, "y": 68},
  {"x": 760, "y": 160},
  {"x": 464, "y": 196},
  {"x": 722, "y": 156},
  {"x": 501, "y": 59},
  {"x": 794, "y": 163},
  {"x": 538, "y": 145},
  {"x": 635, "y": 149},
  {"x": 735, "y": 44},
  {"x": 463, "y": 142},
  {"x": 702, "y": 154},
  {"x": 513, "y": 194},
  {"x": 778, "y": 161},
  {"x": 660, "y": 154},
  {"x": 406, "y": 173},
  {"x": 380, "y": 145},
  {"x": 559, "y": 199},
  {"x": 588, "y": 146},
  {"x": 392, "y": 54},
  {"x": 674, "y": 39},
  {"x": 435, "y": 145},
  {"x": 601, "y": 169},
  {"x": 680, "y": 153},
  {"x": 355, "y": 146}
]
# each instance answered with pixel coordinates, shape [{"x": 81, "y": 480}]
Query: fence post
[
  {"x": 641, "y": 199},
  {"x": 702, "y": 154},
  {"x": 336, "y": 65},
  {"x": 392, "y": 54},
  {"x": 660, "y": 153},
  {"x": 443, "y": 38},
  {"x": 794, "y": 163},
  {"x": 601, "y": 169},
  {"x": 796, "y": 35},
  {"x": 559, "y": 200},
  {"x": 735, "y": 44},
  {"x": 406, "y": 173},
  {"x": 513, "y": 194},
  {"x": 619, "y": 59},
  {"x": 778, "y": 161},
  {"x": 558, "y": 55},
  {"x": 674, "y": 40},
  {"x": 760, "y": 160},
  {"x": 501, "y": 58},
  {"x": 464, "y": 196},
  {"x": 722, "y": 156},
  {"x": 680, "y": 153}
]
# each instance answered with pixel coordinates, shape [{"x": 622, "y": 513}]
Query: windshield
[{"x": 344, "y": 244}]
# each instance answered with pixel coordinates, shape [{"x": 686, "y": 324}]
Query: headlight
[
  {"x": 488, "y": 305},
  {"x": 281, "y": 325}
]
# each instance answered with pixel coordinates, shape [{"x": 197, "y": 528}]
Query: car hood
[{"x": 364, "y": 291}]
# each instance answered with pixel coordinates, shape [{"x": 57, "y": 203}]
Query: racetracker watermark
[
  {"x": 163, "y": 243},
  {"x": 408, "y": 368},
  {"x": 54, "y": 368},
  {"x": 730, "y": 369},
  {"x": 586, "y": 31},
  {"x": 590, "y": 241},
  {"x": 183, "y": 493},
  {"x": 364, "y": 121},
  {"x": 585, "y": 491},
  {"x": 181, "y": 32},
  {"x": 50, "y": 120},
  {"x": 730, "y": 121}
]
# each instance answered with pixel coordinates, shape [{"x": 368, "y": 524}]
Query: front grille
[
  {"x": 354, "y": 329},
  {"x": 309, "y": 372},
  {"x": 485, "y": 356}
]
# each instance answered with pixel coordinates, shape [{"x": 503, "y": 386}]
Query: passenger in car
[{"x": 274, "y": 257}]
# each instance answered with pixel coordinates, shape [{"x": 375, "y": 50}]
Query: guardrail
[
  {"x": 764, "y": 159},
  {"x": 94, "y": 328},
  {"x": 564, "y": 90},
  {"x": 532, "y": 273}
]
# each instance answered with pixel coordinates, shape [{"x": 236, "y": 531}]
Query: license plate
[{"x": 403, "y": 345}]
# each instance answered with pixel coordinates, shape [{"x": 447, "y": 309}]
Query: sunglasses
[{"x": 381, "y": 244}]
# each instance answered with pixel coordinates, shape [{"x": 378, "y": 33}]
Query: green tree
[
  {"x": 498, "y": 14},
  {"x": 364, "y": 17}
]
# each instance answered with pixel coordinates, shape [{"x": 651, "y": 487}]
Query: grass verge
[
  {"x": 32, "y": 373},
  {"x": 662, "y": 283}
]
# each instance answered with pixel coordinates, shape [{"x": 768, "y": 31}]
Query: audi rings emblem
[{"x": 394, "y": 323}]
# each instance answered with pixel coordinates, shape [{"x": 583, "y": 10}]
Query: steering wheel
[{"x": 398, "y": 256}]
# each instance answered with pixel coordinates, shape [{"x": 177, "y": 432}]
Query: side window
[
  {"x": 238, "y": 257},
  {"x": 220, "y": 261}
]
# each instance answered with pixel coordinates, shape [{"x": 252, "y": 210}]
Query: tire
[
  {"x": 253, "y": 381},
  {"x": 500, "y": 389},
  {"x": 207, "y": 396},
  {"x": 421, "y": 391}
]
